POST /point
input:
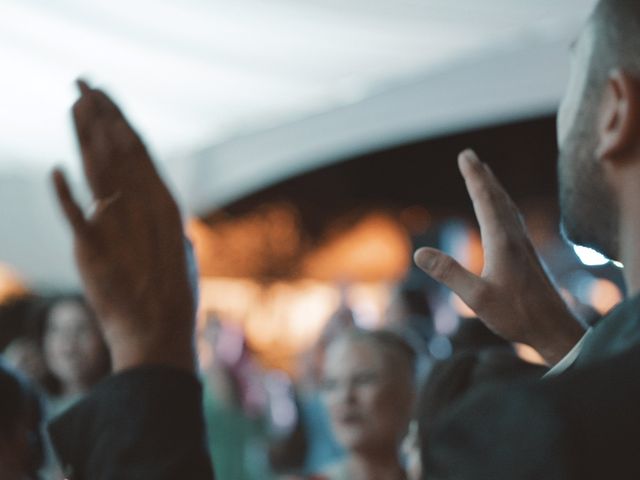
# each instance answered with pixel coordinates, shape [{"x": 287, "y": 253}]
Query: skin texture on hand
[
  {"x": 514, "y": 295},
  {"x": 130, "y": 250}
]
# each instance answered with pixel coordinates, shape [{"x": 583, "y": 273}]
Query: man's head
[{"x": 597, "y": 123}]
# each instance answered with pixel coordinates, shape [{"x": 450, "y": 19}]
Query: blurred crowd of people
[{"x": 354, "y": 406}]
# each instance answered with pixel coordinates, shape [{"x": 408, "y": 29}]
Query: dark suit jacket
[
  {"x": 615, "y": 333},
  {"x": 583, "y": 424},
  {"x": 143, "y": 424}
]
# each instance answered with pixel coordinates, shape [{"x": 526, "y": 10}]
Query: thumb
[{"x": 449, "y": 272}]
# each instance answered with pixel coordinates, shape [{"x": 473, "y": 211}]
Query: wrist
[
  {"x": 559, "y": 331},
  {"x": 131, "y": 352}
]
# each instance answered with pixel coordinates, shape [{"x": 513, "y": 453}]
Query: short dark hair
[{"x": 617, "y": 37}]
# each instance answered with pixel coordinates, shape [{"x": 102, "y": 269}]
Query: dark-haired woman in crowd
[
  {"x": 368, "y": 387},
  {"x": 74, "y": 350}
]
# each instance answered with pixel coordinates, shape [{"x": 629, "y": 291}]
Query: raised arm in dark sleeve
[{"x": 145, "y": 423}]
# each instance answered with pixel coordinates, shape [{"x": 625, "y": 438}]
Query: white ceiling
[
  {"x": 231, "y": 94},
  {"x": 193, "y": 72}
]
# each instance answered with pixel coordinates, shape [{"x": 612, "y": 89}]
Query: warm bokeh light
[
  {"x": 369, "y": 303},
  {"x": 264, "y": 243},
  {"x": 258, "y": 272},
  {"x": 11, "y": 285},
  {"x": 598, "y": 293},
  {"x": 282, "y": 320},
  {"x": 465, "y": 245},
  {"x": 268, "y": 244},
  {"x": 604, "y": 295},
  {"x": 529, "y": 354},
  {"x": 375, "y": 248}
]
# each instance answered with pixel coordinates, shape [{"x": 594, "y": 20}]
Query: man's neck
[
  {"x": 629, "y": 242},
  {"x": 628, "y": 204}
]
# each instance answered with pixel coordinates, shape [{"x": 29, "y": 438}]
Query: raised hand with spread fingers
[{"x": 514, "y": 295}]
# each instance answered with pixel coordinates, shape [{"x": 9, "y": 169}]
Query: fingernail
[
  {"x": 424, "y": 259},
  {"x": 470, "y": 156}
]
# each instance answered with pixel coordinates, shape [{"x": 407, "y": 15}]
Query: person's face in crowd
[
  {"x": 586, "y": 201},
  {"x": 368, "y": 403},
  {"x": 73, "y": 346}
]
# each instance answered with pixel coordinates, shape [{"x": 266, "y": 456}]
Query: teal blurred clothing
[
  {"x": 322, "y": 448},
  {"x": 238, "y": 444}
]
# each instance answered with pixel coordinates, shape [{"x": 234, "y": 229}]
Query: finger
[
  {"x": 449, "y": 272},
  {"x": 83, "y": 112},
  {"x": 83, "y": 86},
  {"x": 96, "y": 144},
  {"x": 130, "y": 148},
  {"x": 100, "y": 162},
  {"x": 107, "y": 106},
  {"x": 98, "y": 98},
  {"x": 495, "y": 211},
  {"x": 86, "y": 117},
  {"x": 114, "y": 157},
  {"x": 72, "y": 212},
  {"x": 131, "y": 157}
]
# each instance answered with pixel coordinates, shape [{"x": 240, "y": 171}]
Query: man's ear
[{"x": 619, "y": 115}]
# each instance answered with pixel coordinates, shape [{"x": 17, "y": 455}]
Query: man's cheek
[{"x": 566, "y": 118}]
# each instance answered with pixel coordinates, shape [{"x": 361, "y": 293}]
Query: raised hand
[
  {"x": 130, "y": 250},
  {"x": 514, "y": 296}
]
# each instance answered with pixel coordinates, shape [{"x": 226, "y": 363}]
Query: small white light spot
[{"x": 590, "y": 257}]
